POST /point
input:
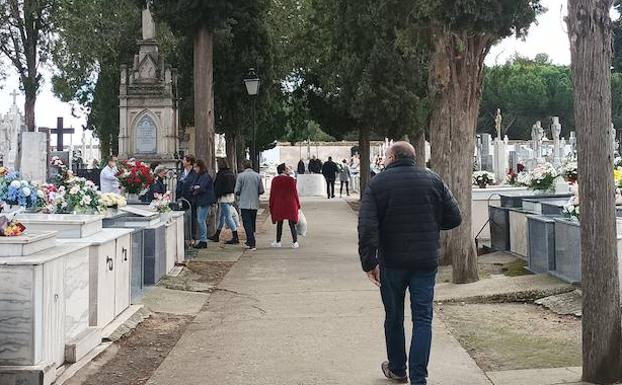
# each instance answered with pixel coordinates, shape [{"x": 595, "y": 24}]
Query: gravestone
[
  {"x": 34, "y": 155},
  {"x": 146, "y": 136},
  {"x": 513, "y": 160},
  {"x": 486, "y": 155}
]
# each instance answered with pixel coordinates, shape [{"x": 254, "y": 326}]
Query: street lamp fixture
[
  {"x": 252, "y": 88},
  {"x": 252, "y": 82}
]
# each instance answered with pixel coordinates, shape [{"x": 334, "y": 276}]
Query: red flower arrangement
[{"x": 134, "y": 176}]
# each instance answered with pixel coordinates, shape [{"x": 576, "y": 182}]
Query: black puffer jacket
[
  {"x": 224, "y": 183},
  {"x": 403, "y": 210}
]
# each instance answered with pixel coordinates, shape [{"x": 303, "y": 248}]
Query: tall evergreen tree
[{"x": 462, "y": 32}]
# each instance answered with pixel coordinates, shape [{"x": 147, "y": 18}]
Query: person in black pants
[
  {"x": 401, "y": 215},
  {"x": 330, "y": 171},
  {"x": 183, "y": 189},
  {"x": 344, "y": 177}
]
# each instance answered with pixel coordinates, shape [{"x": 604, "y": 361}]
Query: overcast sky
[{"x": 548, "y": 36}]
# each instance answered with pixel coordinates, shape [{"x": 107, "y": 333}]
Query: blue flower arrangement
[{"x": 16, "y": 191}]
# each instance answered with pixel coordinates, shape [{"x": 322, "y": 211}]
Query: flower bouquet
[
  {"x": 541, "y": 178},
  {"x": 111, "y": 202},
  {"x": 134, "y": 176},
  {"x": 10, "y": 227},
  {"x": 483, "y": 178},
  {"x": 15, "y": 191},
  {"x": 571, "y": 209},
  {"x": 80, "y": 196},
  {"x": 570, "y": 171},
  {"x": 51, "y": 198},
  {"x": 62, "y": 171},
  {"x": 162, "y": 202}
]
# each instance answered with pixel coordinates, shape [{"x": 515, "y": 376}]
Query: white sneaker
[
  {"x": 295, "y": 245},
  {"x": 276, "y": 245}
]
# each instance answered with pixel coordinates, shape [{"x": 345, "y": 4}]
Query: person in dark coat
[
  {"x": 204, "y": 198},
  {"x": 315, "y": 165},
  {"x": 284, "y": 205},
  {"x": 186, "y": 179},
  {"x": 330, "y": 171},
  {"x": 301, "y": 167},
  {"x": 403, "y": 210},
  {"x": 224, "y": 188},
  {"x": 183, "y": 190},
  {"x": 158, "y": 187}
]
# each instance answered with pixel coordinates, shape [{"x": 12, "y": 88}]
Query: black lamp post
[{"x": 252, "y": 87}]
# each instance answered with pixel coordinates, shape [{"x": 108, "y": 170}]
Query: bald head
[{"x": 401, "y": 150}]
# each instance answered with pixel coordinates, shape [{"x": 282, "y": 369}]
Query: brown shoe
[{"x": 392, "y": 376}]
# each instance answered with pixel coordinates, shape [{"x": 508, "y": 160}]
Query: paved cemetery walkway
[{"x": 307, "y": 317}]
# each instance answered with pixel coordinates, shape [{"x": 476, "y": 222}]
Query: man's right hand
[{"x": 374, "y": 275}]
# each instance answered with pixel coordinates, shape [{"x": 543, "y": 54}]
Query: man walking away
[
  {"x": 344, "y": 178},
  {"x": 248, "y": 188},
  {"x": 402, "y": 213},
  {"x": 330, "y": 171}
]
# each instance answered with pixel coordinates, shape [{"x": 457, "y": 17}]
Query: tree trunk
[
  {"x": 241, "y": 148},
  {"x": 204, "y": 97},
  {"x": 440, "y": 139},
  {"x": 458, "y": 65},
  {"x": 420, "y": 149},
  {"x": 589, "y": 29},
  {"x": 364, "y": 159},
  {"x": 29, "y": 111},
  {"x": 232, "y": 152}
]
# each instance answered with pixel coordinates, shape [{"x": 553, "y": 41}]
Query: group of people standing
[
  {"x": 331, "y": 172},
  {"x": 197, "y": 187}
]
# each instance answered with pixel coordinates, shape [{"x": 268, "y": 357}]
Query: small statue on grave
[
  {"x": 498, "y": 121},
  {"x": 537, "y": 133}
]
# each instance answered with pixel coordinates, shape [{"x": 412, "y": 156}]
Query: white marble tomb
[{"x": 67, "y": 225}]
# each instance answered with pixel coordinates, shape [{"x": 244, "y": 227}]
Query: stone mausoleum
[{"x": 148, "y": 127}]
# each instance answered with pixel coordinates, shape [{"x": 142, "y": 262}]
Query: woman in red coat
[{"x": 284, "y": 205}]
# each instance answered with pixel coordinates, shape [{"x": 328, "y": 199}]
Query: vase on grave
[
  {"x": 132, "y": 198},
  {"x": 111, "y": 212},
  {"x": 166, "y": 217}
]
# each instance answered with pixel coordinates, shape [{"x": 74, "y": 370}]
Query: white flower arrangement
[
  {"x": 570, "y": 171},
  {"x": 541, "y": 178},
  {"x": 112, "y": 200},
  {"x": 483, "y": 178},
  {"x": 571, "y": 209}
]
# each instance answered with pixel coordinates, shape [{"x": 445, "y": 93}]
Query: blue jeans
[
  {"x": 394, "y": 283},
  {"x": 249, "y": 219},
  {"x": 202, "y": 214},
  {"x": 226, "y": 216}
]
